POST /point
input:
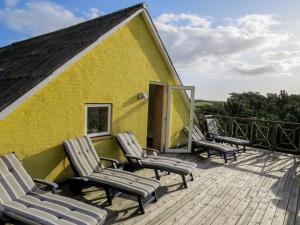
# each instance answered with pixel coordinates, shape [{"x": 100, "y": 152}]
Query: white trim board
[{"x": 157, "y": 39}]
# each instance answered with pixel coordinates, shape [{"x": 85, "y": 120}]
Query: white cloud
[
  {"x": 192, "y": 20},
  {"x": 240, "y": 48},
  {"x": 11, "y": 3},
  {"x": 38, "y": 17},
  {"x": 93, "y": 13}
]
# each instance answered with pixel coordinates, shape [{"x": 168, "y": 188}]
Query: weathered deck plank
[{"x": 258, "y": 188}]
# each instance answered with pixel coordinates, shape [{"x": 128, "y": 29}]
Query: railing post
[
  {"x": 267, "y": 134},
  {"x": 274, "y": 136},
  {"x": 298, "y": 150}
]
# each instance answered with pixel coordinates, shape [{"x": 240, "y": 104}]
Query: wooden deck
[{"x": 259, "y": 188}]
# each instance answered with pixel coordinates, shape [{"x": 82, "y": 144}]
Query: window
[{"x": 98, "y": 119}]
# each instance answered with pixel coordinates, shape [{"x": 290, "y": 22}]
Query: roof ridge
[{"x": 57, "y": 32}]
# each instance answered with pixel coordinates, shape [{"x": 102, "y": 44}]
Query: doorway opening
[{"x": 155, "y": 116}]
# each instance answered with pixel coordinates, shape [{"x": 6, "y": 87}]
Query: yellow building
[{"x": 100, "y": 77}]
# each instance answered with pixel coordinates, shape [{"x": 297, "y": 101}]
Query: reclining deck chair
[
  {"x": 135, "y": 155},
  {"x": 199, "y": 141},
  {"x": 88, "y": 168},
  {"x": 215, "y": 134},
  {"x": 23, "y": 202}
]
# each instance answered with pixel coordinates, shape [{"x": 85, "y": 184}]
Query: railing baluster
[{"x": 268, "y": 134}]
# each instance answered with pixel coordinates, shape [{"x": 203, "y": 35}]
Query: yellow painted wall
[
  {"x": 179, "y": 117},
  {"x": 113, "y": 72}
]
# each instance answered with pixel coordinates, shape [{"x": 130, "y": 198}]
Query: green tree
[{"x": 281, "y": 106}]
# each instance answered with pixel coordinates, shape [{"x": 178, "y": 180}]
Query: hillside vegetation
[{"x": 281, "y": 106}]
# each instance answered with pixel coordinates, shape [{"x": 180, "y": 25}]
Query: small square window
[{"x": 98, "y": 119}]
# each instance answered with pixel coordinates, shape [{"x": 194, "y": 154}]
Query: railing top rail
[{"x": 253, "y": 119}]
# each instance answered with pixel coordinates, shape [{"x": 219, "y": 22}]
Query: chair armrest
[
  {"x": 134, "y": 157},
  {"x": 154, "y": 151},
  {"x": 53, "y": 186},
  {"x": 78, "y": 179},
  {"x": 210, "y": 136},
  {"x": 114, "y": 162}
]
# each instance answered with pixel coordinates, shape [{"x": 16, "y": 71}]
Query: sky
[{"x": 219, "y": 46}]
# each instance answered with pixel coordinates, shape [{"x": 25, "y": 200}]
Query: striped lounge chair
[
  {"x": 136, "y": 156},
  {"x": 24, "y": 203},
  {"x": 215, "y": 134},
  {"x": 88, "y": 169},
  {"x": 199, "y": 141}
]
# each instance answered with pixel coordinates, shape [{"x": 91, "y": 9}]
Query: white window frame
[{"x": 98, "y": 105}]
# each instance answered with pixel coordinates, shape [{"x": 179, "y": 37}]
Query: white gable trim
[{"x": 154, "y": 32}]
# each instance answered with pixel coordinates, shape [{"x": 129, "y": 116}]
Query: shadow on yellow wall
[{"x": 54, "y": 156}]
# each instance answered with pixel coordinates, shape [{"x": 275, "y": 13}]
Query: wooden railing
[{"x": 267, "y": 134}]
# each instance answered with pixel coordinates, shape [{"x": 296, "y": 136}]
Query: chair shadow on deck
[
  {"x": 286, "y": 195},
  {"x": 124, "y": 207}
]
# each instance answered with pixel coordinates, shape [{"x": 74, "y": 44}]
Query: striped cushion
[
  {"x": 197, "y": 135},
  {"x": 14, "y": 180},
  {"x": 84, "y": 158},
  {"x": 46, "y": 208},
  {"x": 128, "y": 181},
  {"x": 23, "y": 201},
  {"x": 212, "y": 126},
  {"x": 169, "y": 164},
  {"x": 83, "y": 155},
  {"x": 215, "y": 146},
  {"x": 199, "y": 139},
  {"x": 130, "y": 144},
  {"x": 232, "y": 140}
]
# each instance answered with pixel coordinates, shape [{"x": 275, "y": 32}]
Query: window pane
[{"x": 97, "y": 120}]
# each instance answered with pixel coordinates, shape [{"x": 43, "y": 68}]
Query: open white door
[{"x": 184, "y": 146}]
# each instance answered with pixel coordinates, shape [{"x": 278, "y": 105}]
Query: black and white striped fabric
[
  {"x": 131, "y": 146},
  {"x": 212, "y": 127},
  {"x": 231, "y": 140},
  {"x": 21, "y": 200},
  {"x": 84, "y": 158},
  {"x": 83, "y": 155},
  {"x": 197, "y": 135},
  {"x": 199, "y": 140}
]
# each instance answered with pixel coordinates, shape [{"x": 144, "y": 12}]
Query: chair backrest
[
  {"x": 196, "y": 133},
  {"x": 129, "y": 144},
  {"x": 14, "y": 180},
  {"x": 82, "y": 155},
  {"x": 212, "y": 126}
]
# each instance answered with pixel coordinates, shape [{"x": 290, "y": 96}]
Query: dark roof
[{"x": 24, "y": 64}]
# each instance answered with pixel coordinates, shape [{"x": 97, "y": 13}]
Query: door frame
[
  {"x": 191, "y": 117},
  {"x": 162, "y": 138}
]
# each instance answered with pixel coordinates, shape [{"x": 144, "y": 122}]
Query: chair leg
[
  {"x": 244, "y": 148},
  {"x": 108, "y": 196},
  {"x": 157, "y": 175},
  {"x": 141, "y": 205},
  {"x": 184, "y": 181},
  {"x": 234, "y": 156},
  {"x": 225, "y": 157},
  {"x": 155, "y": 196},
  {"x": 208, "y": 153},
  {"x": 192, "y": 177}
]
